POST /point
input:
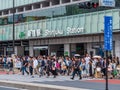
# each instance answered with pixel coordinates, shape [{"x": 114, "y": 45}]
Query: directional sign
[
  {"x": 108, "y": 32},
  {"x": 107, "y": 3}
]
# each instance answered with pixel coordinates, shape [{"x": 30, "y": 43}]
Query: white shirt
[
  {"x": 87, "y": 59},
  {"x": 35, "y": 63}
]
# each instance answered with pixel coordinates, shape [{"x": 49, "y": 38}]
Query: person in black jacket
[
  {"x": 76, "y": 68},
  {"x": 10, "y": 66},
  {"x": 48, "y": 66}
]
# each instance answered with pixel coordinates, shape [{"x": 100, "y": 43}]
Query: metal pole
[
  {"x": 106, "y": 70},
  {"x": 13, "y": 27}
]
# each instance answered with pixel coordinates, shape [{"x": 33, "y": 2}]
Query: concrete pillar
[
  {"x": 19, "y": 50},
  {"x": 50, "y": 3},
  {"x": 117, "y": 48},
  {"x": 60, "y": 1},
  {"x": 31, "y": 50},
  {"x": 24, "y": 9},
  {"x": 32, "y": 7},
  {"x": 16, "y": 10},
  {"x": 5, "y": 49},
  {"x": 41, "y": 5},
  {"x": 16, "y": 50},
  {"x": 48, "y": 49},
  {"x": 73, "y": 49},
  {"x": 67, "y": 49},
  {"x": 89, "y": 48}
]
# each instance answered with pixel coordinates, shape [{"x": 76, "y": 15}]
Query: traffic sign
[
  {"x": 107, "y": 3},
  {"x": 108, "y": 32}
]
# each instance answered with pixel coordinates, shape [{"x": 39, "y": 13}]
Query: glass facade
[
  {"x": 87, "y": 23},
  {"x": 47, "y": 14},
  {"x": 9, "y": 3}
]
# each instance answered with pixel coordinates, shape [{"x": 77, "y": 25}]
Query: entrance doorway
[
  {"x": 80, "y": 49},
  {"x": 40, "y": 50}
]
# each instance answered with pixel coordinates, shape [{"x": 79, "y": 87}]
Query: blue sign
[
  {"x": 108, "y": 32},
  {"x": 107, "y": 3}
]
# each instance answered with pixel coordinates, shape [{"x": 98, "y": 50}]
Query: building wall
[
  {"x": 9, "y": 3},
  {"x": 63, "y": 26}
]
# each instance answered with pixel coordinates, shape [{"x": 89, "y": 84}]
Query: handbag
[{"x": 98, "y": 69}]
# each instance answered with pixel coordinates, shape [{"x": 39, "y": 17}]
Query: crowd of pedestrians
[{"x": 82, "y": 67}]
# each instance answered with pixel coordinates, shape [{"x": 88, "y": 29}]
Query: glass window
[
  {"x": 94, "y": 24},
  {"x": 16, "y": 30},
  {"x": 43, "y": 23},
  {"x": 4, "y": 33},
  {"x": 59, "y": 24},
  {"x": 116, "y": 19},
  {"x": 0, "y": 32},
  {"x": 48, "y": 26},
  {"x": 88, "y": 23},
  {"x": 64, "y": 25},
  {"x": 10, "y": 31},
  {"x": 35, "y": 25},
  {"x": 54, "y": 24},
  {"x": 70, "y": 22},
  {"x": 101, "y": 21},
  {"x": 75, "y": 21}
]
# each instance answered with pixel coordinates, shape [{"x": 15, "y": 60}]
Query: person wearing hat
[{"x": 76, "y": 68}]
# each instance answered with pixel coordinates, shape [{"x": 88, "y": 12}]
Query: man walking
[
  {"x": 24, "y": 66},
  {"x": 76, "y": 68}
]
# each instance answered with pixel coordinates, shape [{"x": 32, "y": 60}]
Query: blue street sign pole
[{"x": 107, "y": 41}]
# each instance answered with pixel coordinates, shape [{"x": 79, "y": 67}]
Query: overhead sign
[
  {"x": 107, "y": 3},
  {"x": 108, "y": 32}
]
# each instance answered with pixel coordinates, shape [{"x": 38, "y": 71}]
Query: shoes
[
  {"x": 47, "y": 76},
  {"x": 54, "y": 77},
  {"x": 80, "y": 78},
  {"x": 39, "y": 75},
  {"x": 32, "y": 77},
  {"x": 72, "y": 78}
]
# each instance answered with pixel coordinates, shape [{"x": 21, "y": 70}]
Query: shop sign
[
  {"x": 66, "y": 53},
  {"x": 34, "y": 33},
  {"x": 74, "y": 30},
  {"x": 21, "y": 35},
  {"x": 53, "y": 32}
]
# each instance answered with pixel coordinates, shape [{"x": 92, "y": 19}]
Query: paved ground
[
  {"x": 10, "y": 88},
  {"x": 94, "y": 84}
]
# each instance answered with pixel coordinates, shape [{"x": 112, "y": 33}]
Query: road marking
[{"x": 12, "y": 88}]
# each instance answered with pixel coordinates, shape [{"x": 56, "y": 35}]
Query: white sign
[
  {"x": 74, "y": 30},
  {"x": 53, "y": 32},
  {"x": 107, "y": 3},
  {"x": 34, "y": 33}
]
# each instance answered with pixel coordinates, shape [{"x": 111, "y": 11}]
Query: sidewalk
[
  {"x": 36, "y": 83},
  {"x": 58, "y": 83}
]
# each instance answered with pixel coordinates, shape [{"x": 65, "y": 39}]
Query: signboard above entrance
[{"x": 53, "y": 33}]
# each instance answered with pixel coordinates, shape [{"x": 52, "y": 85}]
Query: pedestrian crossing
[{"x": 36, "y": 78}]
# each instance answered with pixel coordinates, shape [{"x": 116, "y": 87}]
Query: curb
[{"x": 34, "y": 86}]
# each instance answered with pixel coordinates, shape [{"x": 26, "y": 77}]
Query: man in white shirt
[
  {"x": 35, "y": 64},
  {"x": 87, "y": 60}
]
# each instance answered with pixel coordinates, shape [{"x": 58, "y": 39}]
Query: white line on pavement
[{"x": 12, "y": 88}]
